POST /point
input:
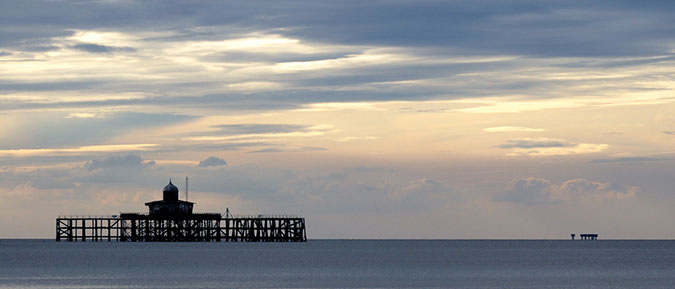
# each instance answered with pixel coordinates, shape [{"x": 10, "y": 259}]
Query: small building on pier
[{"x": 169, "y": 205}]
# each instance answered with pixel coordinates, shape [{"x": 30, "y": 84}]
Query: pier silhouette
[{"x": 172, "y": 220}]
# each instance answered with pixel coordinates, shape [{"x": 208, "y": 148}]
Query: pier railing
[
  {"x": 231, "y": 216},
  {"x": 259, "y": 216},
  {"x": 87, "y": 216}
]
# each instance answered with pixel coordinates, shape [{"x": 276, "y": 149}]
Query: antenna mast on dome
[{"x": 186, "y": 188}]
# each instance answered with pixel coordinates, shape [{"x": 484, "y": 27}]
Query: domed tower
[
  {"x": 170, "y": 193},
  {"x": 170, "y": 205}
]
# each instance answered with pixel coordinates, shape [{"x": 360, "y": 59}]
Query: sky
[{"x": 372, "y": 119}]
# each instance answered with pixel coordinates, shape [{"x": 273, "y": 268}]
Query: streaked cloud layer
[{"x": 482, "y": 112}]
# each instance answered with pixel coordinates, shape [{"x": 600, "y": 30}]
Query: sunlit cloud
[
  {"x": 367, "y": 58},
  {"x": 257, "y": 42},
  {"x": 70, "y": 99},
  {"x": 255, "y": 86},
  {"x": 509, "y": 106},
  {"x": 288, "y": 149},
  {"x": 549, "y": 147},
  {"x": 312, "y": 131},
  {"x": 541, "y": 142},
  {"x": 356, "y": 138},
  {"x": 339, "y": 106},
  {"x": 111, "y": 38},
  {"x": 513, "y": 105},
  {"x": 77, "y": 150},
  {"x": 84, "y": 115},
  {"x": 512, "y": 129}
]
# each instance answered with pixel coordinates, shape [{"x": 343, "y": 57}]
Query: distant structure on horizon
[
  {"x": 172, "y": 220},
  {"x": 586, "y": 236}
]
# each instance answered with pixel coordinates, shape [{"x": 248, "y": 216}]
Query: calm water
[{"x": 339, "y": 264}]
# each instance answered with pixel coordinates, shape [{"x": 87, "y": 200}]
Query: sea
[{"x": 340, "y": 264}]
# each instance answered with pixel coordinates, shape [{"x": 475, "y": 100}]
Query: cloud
[
  {"x": 613, "y": 133},
  {"x": 512, "y": 129},
  {"x": 528, "y": 191},
  {"x": 83, "y": 180},
  {"x": 74, "y": 151},
  {"x": 259, "y": 131},
  {"x": 523, "y": 27},
  {"x": 356, "y": 138},
  {"x": 126, "y": 162},
  {"x": 579, "y": 189},
  {"x": 360, "y": 189},
  {"x": 393, "y": 51},
  {"x": 39, "y": 48},
  {"x": 212, "y": 162},
  {"x": 84, "y": 115},
  {"x": 420, "y": 188},
  {"x": 533, "y": 191},
  {"x": 337, "y": 106},
  {"x": 288, "y": 149},
  {"x": 381, "y": 190},
  {"x": 549, "y": 147},
  {"x": 213, "y": 146},
  {"x": 98, "y": 48},
  {"x": 54, "y": 130},
  {"x": 124, "y": 171},
  {"x": 541, "y": 142},
  {"x": 630, "y": 160},
  {"x": 256, "y": 128}
]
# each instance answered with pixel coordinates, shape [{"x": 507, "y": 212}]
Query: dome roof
[{"x": 170, "y": 188}]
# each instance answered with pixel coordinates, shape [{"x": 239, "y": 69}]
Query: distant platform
[{"x": 586, "y": 236}]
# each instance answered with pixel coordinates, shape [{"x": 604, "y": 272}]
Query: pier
[
  {"x": 196, "y": 228},
  {"x": 172, "y": 220}
]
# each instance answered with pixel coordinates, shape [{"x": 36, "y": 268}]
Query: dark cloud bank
[
  {"x": 97, "y": 48},
  {"x": 351, "y": 189},
  {"x": 519, "y": 27},
  {"x": 536, "y": 191}
]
